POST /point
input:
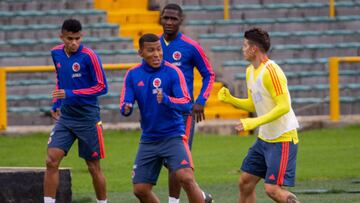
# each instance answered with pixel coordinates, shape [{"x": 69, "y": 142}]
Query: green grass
[{"x": 327, "y": 159}]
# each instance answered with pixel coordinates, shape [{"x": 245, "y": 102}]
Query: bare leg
[
  {"x": 279, "y": 194},
  {"x": 51, "y": 178},
  {"x": 247, "y": 185},
  {"x": 98, "y": 178},
  {"x": 174, "y": 186},
  {"x": 186, "y": 178},
  {"x": 144, "y": 193}
]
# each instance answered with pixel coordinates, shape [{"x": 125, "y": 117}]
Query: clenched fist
[
  {"x": 224, "y": 95},
  {"x": 159, "y": 96}
]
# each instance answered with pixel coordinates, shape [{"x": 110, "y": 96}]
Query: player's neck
[
  {"x": 67, "y": 52},
  {"x": 259, "y": 58},
  {"x": 170, "y": 38}
]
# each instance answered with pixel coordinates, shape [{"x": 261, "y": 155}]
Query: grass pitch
[{"x": 328, "y": 160}]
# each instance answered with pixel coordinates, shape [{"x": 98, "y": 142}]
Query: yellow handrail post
[
  {"x": 332, "y": 8},
  {"x": 334, "y": 88},
  {"x": 3, "y": 106},
  {"x": 226, "y": 10}
]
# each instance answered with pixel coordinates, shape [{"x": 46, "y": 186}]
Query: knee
[
  {"x": 52, "y": 163},
  {"x": 93, "y": 168},
  {"x": 140, "y": 192},
  {"x": 245, "y": 185},
  {"x": 186, "y": 178}
]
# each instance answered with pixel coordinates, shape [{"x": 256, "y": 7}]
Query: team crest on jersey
[
  {"x": 176, "y": 55},
  {"x": 157, "y": 83},
  {"x": 58, "y": 65},
  {"x": 76, "y": 67}
]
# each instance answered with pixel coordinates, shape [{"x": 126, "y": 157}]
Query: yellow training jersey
[{"x": 269, "y": 95}]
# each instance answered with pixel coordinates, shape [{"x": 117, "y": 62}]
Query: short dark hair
[
  {"x": 260, "y": 37},
  {"x": 172, "y": 6},
  {"x": 71, "y": 25},
  {"x": 149, "y": 37}
]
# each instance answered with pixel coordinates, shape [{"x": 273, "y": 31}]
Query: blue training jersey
[
  {"x": 186, "y": 54},
  {"x": 82, "y": 77},
  {"x": 158, "y": 121}
]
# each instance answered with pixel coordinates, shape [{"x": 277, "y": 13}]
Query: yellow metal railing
[
  {"x": 334, "y": 84},
  {"x": 332, "y": 8},
  {"x": 32, "y": 69},
  {"x": 226, "y": 10},
  {"x": 3, "y": 111}
]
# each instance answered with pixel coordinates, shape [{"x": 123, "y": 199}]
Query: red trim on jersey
[
  {"x": 98, "y": 72},
  {"x": 283, "y": 162},
  {"x": 183, "y": 86},
  {"x": 188, "y": 127},
  {"x": 207, "y": 64},
  {"x": 122, "y": 96},
  {"x": 57, "y": 47},
  {"x": 188, "y": 152},
  {"x": 101, "y": 140}
]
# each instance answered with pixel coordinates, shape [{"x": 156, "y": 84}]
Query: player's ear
[{"x": 140, "y": 52}]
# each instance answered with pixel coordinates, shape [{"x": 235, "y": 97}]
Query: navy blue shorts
[
  {"x": 89, "y": 135},
  {"x": 151, "y": 155},
  {"x": 275, "y": 162}
]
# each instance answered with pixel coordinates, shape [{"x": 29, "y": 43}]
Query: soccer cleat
[{"x": 208, "y": 198}]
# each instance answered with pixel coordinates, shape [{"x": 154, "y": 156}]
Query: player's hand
[
  {"x": 55, "y": 114},
  {"x": 239, "y": 127},
  {"x": 224, "y": 94},
  {"x": 159, "y": 96},
  {"x": 198, "y": 112},
  {"x": 127, "y": 108},
  {"x": 59, "y": 94}
]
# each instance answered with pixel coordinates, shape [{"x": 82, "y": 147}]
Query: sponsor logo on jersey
[
  {"x": 141, "y": 84},
  {"x": 176, "y": 55},
  {"x": 184, "y": 162},
  {"x": 272, "y": 177},
  {"x": 178, "y": 64}
]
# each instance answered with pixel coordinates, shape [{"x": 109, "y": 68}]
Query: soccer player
[
  {"x": 80, "y": 80},
  {"x": 273, "y": 156},
  {"x": 161, "y": 94},
  {"x": 185, "y": 53}
]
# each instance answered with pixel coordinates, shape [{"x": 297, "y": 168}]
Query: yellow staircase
[
  {"x": 133, "y": 17},
  {"x": 215, "y": 109}
]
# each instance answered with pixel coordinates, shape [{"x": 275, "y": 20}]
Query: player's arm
[
  {"x": 275, "y": 82},
  {"x": 208, "y": 77},
  {"x": 55, "y": 109},
  {"x": 247, "y": 104},
  {"x": 100, "y": 86},
  {"x": 127, "y": 97},
  {"x": 181, "y": 99},
  {"x": 202, "y": 63}
]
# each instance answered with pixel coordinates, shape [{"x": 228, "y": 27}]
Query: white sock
[
  {"x": 203, "y": 193},
  {"x": 173, "y": 200},
  {"x": 101, "y": 201},
  {"x": 49, "y": 200}
]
